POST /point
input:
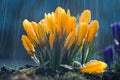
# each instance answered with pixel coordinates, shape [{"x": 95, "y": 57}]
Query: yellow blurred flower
[
  {"x": 28, "y": 45},
  {"x": 30, "y": 31},
  {"x": 85, "y": 16},
  {"x": 82, "y": 30},
  {"x": 93, "y": 28},
  {"x": 94, "y": 66}
]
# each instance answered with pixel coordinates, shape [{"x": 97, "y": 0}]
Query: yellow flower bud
[
  {"x": 93, "y": 28},
  {"x": 61, "y": 21},
  {"x": 28, "y": 45},
  {"x": 34, "y": 25},
  {"x": 82, "y": 31},
  {"x": 51, "y": 22},
  {"x": 30, "y": 31},
  {"x": 58, "y": 13},
  {"x": 94, "y": 66},
  {"x": 27, "y": 25},
  {"x": 85, "y": 16}
]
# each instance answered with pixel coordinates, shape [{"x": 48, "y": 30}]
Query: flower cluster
[{"x": 56, "y": 38}]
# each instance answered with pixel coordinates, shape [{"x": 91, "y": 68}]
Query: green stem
[
  {"x": 86, "y": 55},
  {"x": 83, "y": 51},
  {"x": 35, "y": 59},
  {"x": 52, "y": 60}
]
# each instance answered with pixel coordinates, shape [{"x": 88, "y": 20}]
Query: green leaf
[
  {"x": 91, "y": 48},
  {"x": 52, "y": 59},
  {"x": 83, "y": 51}
]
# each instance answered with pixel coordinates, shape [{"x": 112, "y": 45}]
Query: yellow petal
[
  {"x": 33, "y": 37},
  {"x": 82, "y": 31},
  {"x": 61, "y": 21},
  {"x": 58, "y": 13},
  {"x": 85, "y": 16},
  {"x": 93, "y": 28},
  {"x": 71, "y": 24},
  {"x": 68, "y": 13},
  {"x": 28, "y": 45},
  {"x": 41, "y": 34},
  {"x": 70, "y": 40},
  {"x": 51, "y": 23},
  {"x": 43, "y": 23},
  {"x": 51, "y": 40},
  {"x": 34, "y": 25},
  {"x": 27, "y": 25}
]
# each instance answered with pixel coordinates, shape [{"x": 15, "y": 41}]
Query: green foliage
[{"x": 116, "y": 64}]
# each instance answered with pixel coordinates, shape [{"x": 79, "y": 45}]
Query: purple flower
[
  {"x": 116, "y": 37},
  {"x": 116, "y": 31},
  {"x": 108, "y": 55}
]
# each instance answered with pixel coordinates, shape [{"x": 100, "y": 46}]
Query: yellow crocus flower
[
  {"x": 82, "y": 31},
  {"x": 51, "y": 23},
  {"x": 85, "y": 16},
  {"x": 28, "y": 45},
  {"x": 94, "y": 66},
  {"x": 59, "y": 12},
  {"x": 30, "y": 31},
  {"x": 51, "y": 40},
  {"x": 27, "y": 25},
  {"x": 61, "y": 20},
  {"x": 93, "y": 28}
]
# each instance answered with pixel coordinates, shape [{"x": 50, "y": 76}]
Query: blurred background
[{"x": 13, "y": 12}]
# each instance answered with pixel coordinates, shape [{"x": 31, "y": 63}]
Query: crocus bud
[
  {"x": 30, "y": 31},
  {"x": 93, "y": 28},
  {"x": 28, "y": 45},
  {"x": 85, "y": 16},
  {"x": 82, "y": 31}
]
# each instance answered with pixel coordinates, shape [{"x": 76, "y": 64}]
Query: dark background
[{"x": 13, "y": 12}]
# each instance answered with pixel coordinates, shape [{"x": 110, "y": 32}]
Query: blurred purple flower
[
  {"x": 116, "y": 31},
  {"x": 108, "y": 55},
  {"x": 116, "y": 36}
]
